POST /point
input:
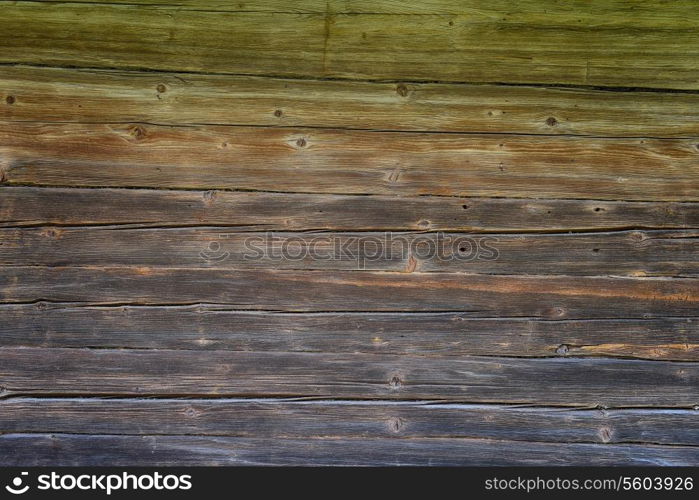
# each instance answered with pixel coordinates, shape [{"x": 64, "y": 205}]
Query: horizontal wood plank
[
  {"x": 27, "y": 206},
  {"x": 73, "y": 95},
  {"x": 346, "y": 419},
  {"x": 81, "y": 450},
  {"x": 552, "y": 297},
  {"x": 424, "y": 334},
  {"x": 346, "y": 162},
  {"x": 616, "y": 12},
  {"x": 545, "y": 381},
  {"x": 627, "y": 253},
  {"x": 611, "y": 47}
]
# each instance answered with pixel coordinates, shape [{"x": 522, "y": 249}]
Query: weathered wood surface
[
  {"x": 626, "y": 253},
  {"x": 444, "y": 334},
  {"x": 142, "y": 140},
  {"x": 552, "y": 297},
  {"x": 614, "y": 46},
  {"x": 343, "y": 161},
  {"x": 31, "y": 206},
  {"x": 545, "y": 381},
  {"x": 65, "y": 450},
  {"x": 346, "y": 419},
  {"x": 102, "y": 96}
]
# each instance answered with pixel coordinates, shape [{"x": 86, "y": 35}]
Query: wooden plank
[
  {"x": 66, "y": 450},
  {"x": 616, "y": 12},
  {"x": 627, "y": 253},
  {"x": 346, "y": 162},
  {"x": 425, "y": 334},
  {"x": 609, "y": 47},
  {"x": 73, "y": 95},
  {"x": 345, "y": 419},
  {"x": 545, "y": 381},
  {"x": 27, "y": 206},
  {"x": 552, "y": 297}
]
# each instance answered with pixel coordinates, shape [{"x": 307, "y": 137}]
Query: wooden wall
[{"x": 136, "y": 136}]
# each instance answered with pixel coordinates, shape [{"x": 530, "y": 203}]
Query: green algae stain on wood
[{"x": 608, "y": 44}]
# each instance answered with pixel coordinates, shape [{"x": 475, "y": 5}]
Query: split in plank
[
  {"x": 349, "y": 162},
  {"x": 33, "y": 206},
  {"x": 422, "y": 334},
  {"x": 37, "y": 94},
  {"x": 346, "y": 419},
  {"x": 610, "y": 47},
  {"x": 552, "y": 297},
  {"x": 585, "y": 382},
  {"x": 81, "y": 450}
]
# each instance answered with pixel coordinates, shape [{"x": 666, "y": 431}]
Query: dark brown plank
[
  {"x": 446, "y": 334},
  {"x": 350, "y": 162},
  {"x": 63, "y": 450},
  {"x": 443, "y": 334},
  {"x": 345, "y": 419},
  {"x": 634, "y": 253},
  {"x": 550, "y": 297},
  {"x": 545, "y": 381},
  {"x": 94, "y": 96},
  {"x": 24, "y": 206}
]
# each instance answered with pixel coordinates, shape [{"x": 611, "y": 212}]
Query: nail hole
[
  {"x": 551, "y": 121},
  {"x": 10, "y": 99},
  {"x": 596, "y": 250},
  {"x": 465, "y": 207},
  {"x": 278, "y": 113},
  {"x": 161, "y": 88}
]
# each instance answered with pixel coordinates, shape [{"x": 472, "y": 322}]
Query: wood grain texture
[
  {"x": 627, "y": 253},
  {"x": 65, "y": 450},
  {"x": 346, "y": 419},
  {"x": 615, "y": 12},
  {"x": 150, "y": 150},
  {"x": 99, "y": 96},
  {"x": 588, "y": 47},
  {"x": 551, "y": 297},
  {"x": 27, "y": 206},
  {"x": 545, "y": 381},
  {"x": 421, "y": 334},
  {"x": 346, "y": 162}
]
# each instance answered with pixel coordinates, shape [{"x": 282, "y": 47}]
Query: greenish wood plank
[{"x": 587, "y": 46}]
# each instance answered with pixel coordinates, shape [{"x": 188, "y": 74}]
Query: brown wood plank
[
  {"x": 26, "y": 206},
  {"x": 73, "y": 95},
  {"x": 609, "y": 47},
  {"x": 627, "y": 253},
  {"x": 346, "y": 419},
  {"x": 551, "y": 297},
  {"x": 425, "y": 334},
  {"x": 349, "y": 162},
  {"x": 545, "y": 381},
  {"x": 64, "y": 450}
]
